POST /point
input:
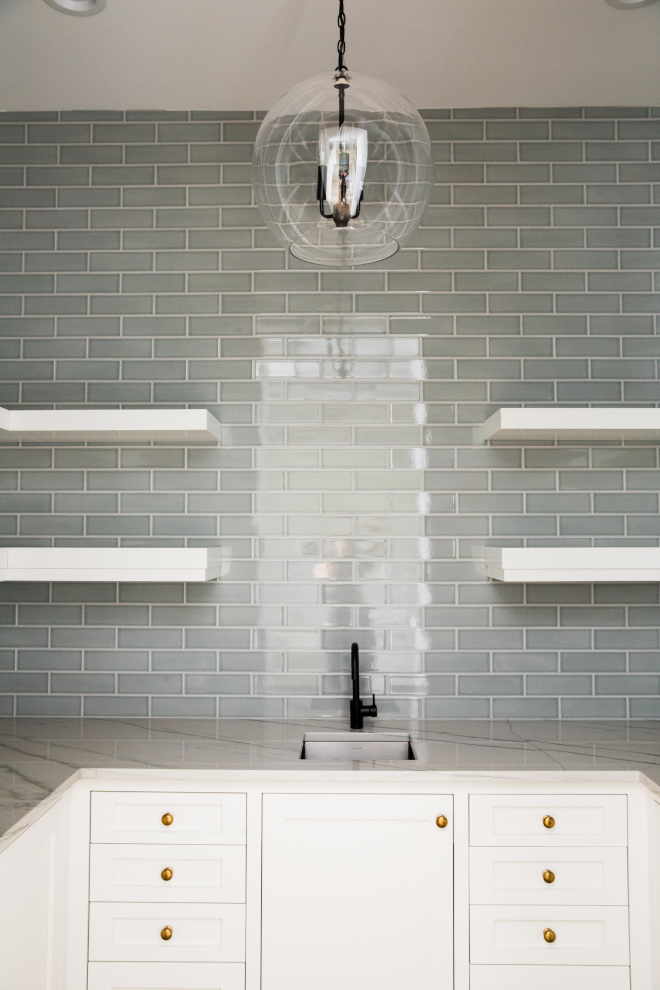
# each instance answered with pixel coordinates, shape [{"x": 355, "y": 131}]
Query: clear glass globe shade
[{"x": 390, "y": 151}]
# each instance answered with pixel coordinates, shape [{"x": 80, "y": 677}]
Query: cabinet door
[
  {"x": 584, "y": 936},
  {"x": 169, "y": 976},
  {"x": 134, "y": 816},
  {"x": 502, "y": 875},
  {"x": 357, "y": 892},
  {"x": 197, "y": 933},
  {"x": 199, "y": 874},
  {"x": 547, "y": 977},
  {"x": 550, "y": 820}
]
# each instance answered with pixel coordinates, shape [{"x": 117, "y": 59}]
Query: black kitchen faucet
[{"x": 358, "y": 710}]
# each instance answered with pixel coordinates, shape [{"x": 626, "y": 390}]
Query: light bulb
[{"x": 343, "y": 154}]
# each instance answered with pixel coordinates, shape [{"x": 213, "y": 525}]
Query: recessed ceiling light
[
  {"x": 79, "y": 8},
  {"x": 629, "y": 4}
]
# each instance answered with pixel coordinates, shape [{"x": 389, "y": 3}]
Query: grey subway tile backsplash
[{"x": 353, "y": 490}]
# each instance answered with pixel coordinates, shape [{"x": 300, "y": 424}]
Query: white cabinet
[
  {"x": 357, "y": 892},
  {"x": 173, "y": 933},
  {"x": 547, "y": 978},
  {"x": 552, "y": 820},
  {"x": 583, "y": 936},
  {"x": 168, "y": 818},
  {"x": 167, "y": 874},
  {"x": 548, "y": 891},
  {"x": 549, "y": 876},
  {"x": 368, "y": 880},
  {"x": 167, "y": 976},
  {"x": 167, "y": 886},
  {"x": 32, "y": 933}
]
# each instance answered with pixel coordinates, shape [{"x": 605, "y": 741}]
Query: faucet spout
[{"x": 359, "y": 711}]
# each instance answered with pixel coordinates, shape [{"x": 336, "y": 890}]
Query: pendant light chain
[
  {"x": 341, "y": 73},
  {"x": 341, "y": 44}
]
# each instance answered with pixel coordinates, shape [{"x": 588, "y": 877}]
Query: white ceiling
[{"x": 243, "y": 54}]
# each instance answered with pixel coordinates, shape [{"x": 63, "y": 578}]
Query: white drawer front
[
  {"x": 167, "y": 976},
  {"x": 547, "y": 978},
  {"x": 211, "y": 874},
  {"x": 581, "y": 876},
  {"x": 200, "y": 932},
  {"x": 133, "y": 816},
  {"x": 517, "y": 820},
  {"x": 585, "y": 936}
]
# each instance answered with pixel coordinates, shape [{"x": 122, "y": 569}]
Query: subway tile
[
  {"x": 593, "y": 708},
  {"x": 83, "y": 154},
  {"x": 551, "y": 151},
  {"x": 477, "y": 708},
  {"x": 370, "y": 527},
  {"x": 632, "y": 151},
  {"x": 484, "y": 151},
  {"x": 524, "y": 662},
  {"x": 525, "y": 708},
  {"x": 490, "y": 684},
  {"x": 89, "y": 197},
  {"x": 58, "y": 133},
  {"x": 25, "y": 155},
  {"x": 48, "y": 706}
]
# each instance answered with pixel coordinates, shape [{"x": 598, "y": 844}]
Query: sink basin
[{"x": 357, "y": 746}]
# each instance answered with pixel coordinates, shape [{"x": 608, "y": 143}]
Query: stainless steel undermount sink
[{"x": 363, "y": 746}]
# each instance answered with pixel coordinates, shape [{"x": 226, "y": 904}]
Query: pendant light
[
  {"x": 342, "y": 167},
  {"x": 629, "y": 4},
  {"x": 79, "y": 8}
]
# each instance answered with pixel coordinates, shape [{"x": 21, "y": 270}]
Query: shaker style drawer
[
  {"x": 562, "y": 875},
  {"x": 166, "y": 874},
  {"x": 166, "y": 933},
  {"x": 551, "y": 820},
  {"x": 546, "y": 978},
  {"x": 134, "y": 816},
  {"x": 553, "y": 936},
  {"x": 167, "y": 976}
]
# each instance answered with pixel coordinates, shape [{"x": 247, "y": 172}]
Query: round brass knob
[
  {"x": 549, "y": 935},
  {"x": 168, "y": 873},
  {"x": 167, "y": 819},
  {"x": 441, "y": 821},
  {"x": 548, "y": 821},
  {"x": 166, "y": 933},
  {"x": 548, "y": 876}
]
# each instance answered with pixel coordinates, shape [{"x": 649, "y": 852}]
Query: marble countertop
[{"x": 38, "y": 755}]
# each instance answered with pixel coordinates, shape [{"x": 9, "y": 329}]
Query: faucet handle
[{"x": 372, "y": 710}]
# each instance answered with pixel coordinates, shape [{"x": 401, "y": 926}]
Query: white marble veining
[{"x": 38, "y": 755}]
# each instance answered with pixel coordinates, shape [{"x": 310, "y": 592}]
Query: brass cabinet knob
[
  {"x": 166, "y": 933},
  {"x": 168, "y": 873},
  {"x": 548, "y": 821},
  {"x": 167, "y": 819},
  {"x": 441, "y": 821},
  {"x": 548, "y": 876},
  {"x": 549, "y": 935}
]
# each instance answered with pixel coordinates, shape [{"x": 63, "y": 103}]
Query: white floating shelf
[
  {"x": 557, "y": 565},
  {"x": 108, "y": 424},
  {"x": 561, "y": 423},
  {"x": 157, "y": 564}
]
